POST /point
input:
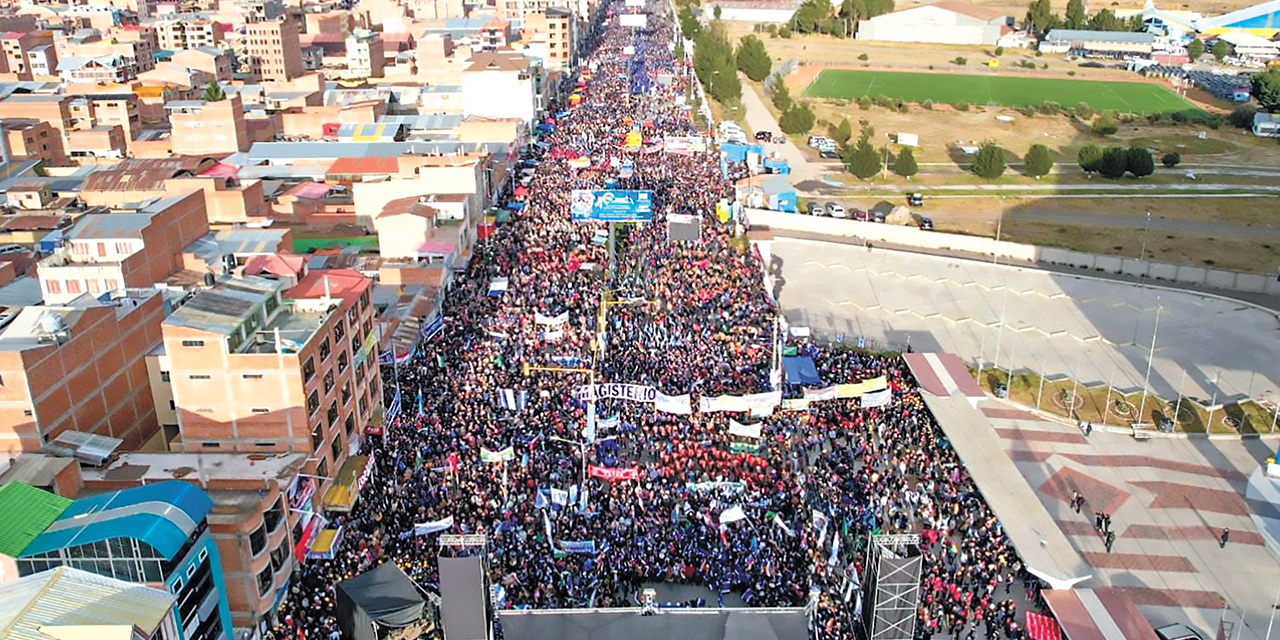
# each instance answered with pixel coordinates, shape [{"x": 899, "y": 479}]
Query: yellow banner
[{"x": 858, "y": 388}]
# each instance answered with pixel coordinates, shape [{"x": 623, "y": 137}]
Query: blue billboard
[{"x": 611, "y": 205}]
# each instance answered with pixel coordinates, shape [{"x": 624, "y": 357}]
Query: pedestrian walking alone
[{"x": 1224, "y": 538}]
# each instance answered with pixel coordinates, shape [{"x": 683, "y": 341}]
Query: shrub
[
  {"x": 904, "y": 108},
  {"x": 1071, "y": 72},
  {"x": 1089, "y": 157},
  {"x": 784, "y": 31},
  {"x": 1242, "y": 117},
  {"x": 927, "y": 105},
  {"x": 1171, "y": 160},
  {"x": 960, "y": 60},
  {"x": 883, "y": 101},
  {"x": 864, "y": 103},
  {"x": 1039, "y": 53},
  {"x": 1043, "y": 65},
  {"x": 999, "y": 51},
  {"x": 1050, "y": 108},
  {"x": 1027, "y": 111},
  {"x": 960, "y": 106},
  {"x": 1105, "y": 125},
  {"x": 1039, "y": 162},
  {"x": 864, "y": 57},
  {"x": 1179, "y": 117},
  {"x": 1214, "y": 122},
  {"x": 1139, "y": 162},
  {"x": 1084, "y": 111}
]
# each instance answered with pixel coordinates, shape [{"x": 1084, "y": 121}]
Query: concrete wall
[{"x": 913, "y": 237}]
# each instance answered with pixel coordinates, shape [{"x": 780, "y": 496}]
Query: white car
[{"x": 836, "y": 210}]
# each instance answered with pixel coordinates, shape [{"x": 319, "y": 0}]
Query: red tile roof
[{"x": 276, "y": 264}]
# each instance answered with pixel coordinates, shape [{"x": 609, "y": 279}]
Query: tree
[
  {"x": 781, "y": 96},
  {"x": 1195, "y": 49},
  {"x": 689, "y": 24},
  {"x": 844, "y": 132},
  {"x": 905, "y": 164},
  {"x": 1106, "y": 20},
  {"x": 1139, "y": 162},
  {"x": 863, "y": 160},
  {"x": 1076, "y": 18},
  {"x": 1039, "y": 162},
  {"x": 753, "y": 59},
  {"x": 1114, "y": 163},
  {"x": 1171, "y": 159},
  {"x": 716, "y": 12},
  {"x": 1266, "y": 90},
  {"x": 1242, "y": 117},
  {"x": 989, "y": 161},
  {"x": 1089, "y": 157},
  {"x": 1221, "y": 49},
  {"x": 1040, "y": 15},
  {"x": 713, "y": 63},
  {"x": 1105, "y": 125},
  {"x": 213, "y": 92},
  {"x": 999, "y": 51},
  {"x": 784, "y": 31},
  {"x": 798, "y": 119}
]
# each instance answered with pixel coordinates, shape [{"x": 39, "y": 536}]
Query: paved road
[
  {"x": 1096, "y": 331},
  {"x": 760, "y": 119}
]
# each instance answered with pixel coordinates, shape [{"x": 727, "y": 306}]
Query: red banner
[{"x": 612, "y": 475}]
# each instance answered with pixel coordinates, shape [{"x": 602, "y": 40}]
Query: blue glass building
[{"x": 155, "y": 534}]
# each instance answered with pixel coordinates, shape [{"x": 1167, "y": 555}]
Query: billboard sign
[
  {"x": 611, "y": 205},
  {"x": 635, "y": 3},
  {"x": 640, "y": 20}
]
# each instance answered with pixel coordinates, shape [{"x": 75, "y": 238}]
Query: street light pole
[
  {"x": 1150, "y": 358},
  {"x": 1209, "y": 421},
  {"x": 1143, "y": 255}
]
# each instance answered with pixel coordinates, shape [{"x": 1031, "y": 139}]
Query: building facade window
[{"x": 308, "y": 370}]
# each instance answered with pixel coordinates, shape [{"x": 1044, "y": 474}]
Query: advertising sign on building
[{"x": 611, "y": 205}]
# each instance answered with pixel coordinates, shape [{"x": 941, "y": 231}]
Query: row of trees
[
  {"x": 820, "y": 16},
  {"x": 1115, "y": 162},
  {"x": 716, "y": 63},
  {"x": 865, "y": 161},
  {"x": 1041, "y": 18}
]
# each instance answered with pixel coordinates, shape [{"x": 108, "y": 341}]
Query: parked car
[
  {"x": 829, "y": 154},
  {"x": 815, "y": 209},
  {"x": 858, "y": 214},
  {"x": 835, "y": 210},
  {"x": 877, "y": 216},
  {"x": 926, "y": 224},
  {"x": 819, "y": 142},
  {"x": 764, "y": 136},
  {"x": 915, "y": 200},
  {"x": 1178, "y": 632}
]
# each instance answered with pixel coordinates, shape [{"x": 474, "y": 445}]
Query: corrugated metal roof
[
  {"x": 1101, "y": 36},
  {"x": 162, "y": 515},
  {"x": 223, "y": 308},
  {"x": 65, "y": 597},
  {"x": 28, "y": 511},
  {"x": 249, "y": 241},
  {"x": 109, "y": 226}
]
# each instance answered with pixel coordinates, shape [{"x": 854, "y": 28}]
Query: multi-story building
[
  {"x": 106, "y": 252},
  {"x": 54, "y": 109},
  {"x": 107, "y": 107},
  {"x": 16, "y": 47},
  {"x": 499, "y": 74},
  {"x": 258, "y": 368},
  {"x": 34, "y": 139},
  {"x": 105, "y": 69},
  {"x": 272, "y": 50},
  {"x": 177, "y": 34},
  {"x": 156, "y": 534},
  {"x": 211, "y": 60},
  {"x": 365, "y": 54},
  {"x": 554, "y": 30},
  {"x": 93, "y": 605},
  {"x": 201, "y": 128},
  {"x": 495, "y": 34},
  {"x": 78, "y": 367}
]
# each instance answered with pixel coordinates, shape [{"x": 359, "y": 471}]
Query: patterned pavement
[{"x": 1169, "y": 500}]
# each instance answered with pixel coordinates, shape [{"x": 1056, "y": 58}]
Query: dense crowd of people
[{"x": 682, "y": 318}]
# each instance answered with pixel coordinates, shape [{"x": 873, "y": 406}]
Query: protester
[{"x": 680, "y": 318}]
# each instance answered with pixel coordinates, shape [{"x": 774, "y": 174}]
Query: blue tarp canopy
[{"x": 800, "y": 370}]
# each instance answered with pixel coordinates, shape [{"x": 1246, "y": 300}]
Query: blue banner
[
  {"x": 430, "y": 330},
  {"x": 611, "y": 205},
  {"x": 579, "y": 546}
]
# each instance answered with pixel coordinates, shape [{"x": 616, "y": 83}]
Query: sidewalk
[{"x": 760, "y": 119}]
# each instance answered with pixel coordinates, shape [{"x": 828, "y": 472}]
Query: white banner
[
  {"x": 634, "y": 20},
  {"x": 551, "y": 320},
  {"x": 722, "y": 403},
  {"x": 766, "y": 400},
  {"x": 635, "y": 3},
  {"x": 876, "y": 398},
  {"x": 732, "y": 514},
  {"x": 673, "y": 404},
  {"x": 432, "y": 527},
  {"x": 635, "y": 392},
  {"x": 553, "y": 335},
  {"x": 825, "y": 393},
  {"x": 745, "y": 430},
  {"x": 559, "y": 496}
]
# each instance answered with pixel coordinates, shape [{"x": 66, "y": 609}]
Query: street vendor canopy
[
  {"x": 801, "y": 370},
  {"x": 384, "y": 596},
  {"x": 347, "y": 484}
]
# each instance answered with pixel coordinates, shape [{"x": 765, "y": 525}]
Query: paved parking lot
[{"x": 1096, "y": 331}]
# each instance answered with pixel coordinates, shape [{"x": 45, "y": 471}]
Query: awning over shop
[
  {"x": 348, "y": 482},
  {"x": 324, "y": 544},
  {"x": 1042, "y": 627},
  {"x": 1098, "y": 614}
]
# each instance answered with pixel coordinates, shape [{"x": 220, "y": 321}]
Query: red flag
[{"x": 453, "y": 462}]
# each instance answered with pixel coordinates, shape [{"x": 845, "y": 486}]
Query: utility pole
[{"x": 1151, "y": 355}]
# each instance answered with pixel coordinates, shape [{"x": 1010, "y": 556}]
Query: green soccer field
[{"x": 1006, "y": 91}]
